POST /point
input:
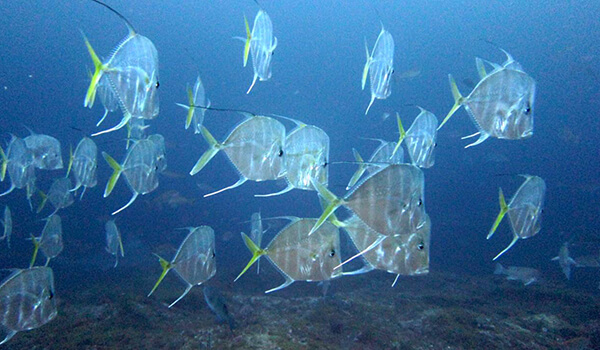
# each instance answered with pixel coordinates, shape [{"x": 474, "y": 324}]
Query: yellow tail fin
[
  {"x": 43, "y": 202},
  {"x": 36, "y": 247},
  {"x": 117, "y": 169},
  {"x": 332, "y": 199},
  {"x": 166, "y": 266},
  {"x": 503, "y": 210},
  {"x": 191, "y": 108},
  {"x": 70, "y": 160},
  {"x": 248, "y": 39},
  {"x": 401, "y": 137},
  {"x": 90, "y": 96},
  {"x": 359, "y": 172},
  {"x": 214, "y": 148},
  {"x": 458, "y": 100},
  {"x": 256, "y": 253},
  {"x": 4, "y": 164},
  {"x": 366, "y": 67}
]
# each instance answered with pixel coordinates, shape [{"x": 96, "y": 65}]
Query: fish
[
  {"x": 114, "y": 244},
  {"x": 217, "y": 304},
  {"x": 379, "y": 67},
  {"x": 420, "y": 139},
  {"x": 383, "y": 156},
  {"x": 526, "y": 275},
  {"x": 7, "y": 224},
  {"x": 405, "y": 254},
  {"x": 298, "y": 256},
  {"x": 524, "y": 210},
  {"x": 132, "y": 69},
  {"x": 59, "y": 195},
  {"x": 195, "y": 260},
  {"x": 564, "y": 260},
  {"x": 305, "y": 158},
  {"x": 50, "y": 242},
  {"x": 390, "y": 201},
  {"x": 255, "y": 147},
  {"x": 27, "y": 300},
  {"x": 18, "y": 162},
  {"x": 501, "y": 105},
  {"x": 83, "y": 164},
  {"x": 256, "y": 233},
  {"x": 46, "y": 151},
  {"x": 136, "y": 130},
  {"x": 160, "y": 151},
  {"x": 260, "y": 44},
  {"x": 197, "y": 97},
  {"x": 140, "y": 170}
]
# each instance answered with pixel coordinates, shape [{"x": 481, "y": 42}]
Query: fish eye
[
  {"x": 420, "y": 202},
  {"x": 332, "y": 253},
  {"x": 157, "y": 84},
  {"x": 213, "y": 254},
  {"x": 421, "y": 246},
  {"x": 325, "y": 164},
  {"x": 280, "y": 153}
]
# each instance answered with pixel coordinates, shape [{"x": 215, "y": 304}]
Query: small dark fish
[{"x": 216, "y": 302}]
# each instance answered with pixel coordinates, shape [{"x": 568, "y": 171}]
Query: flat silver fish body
[
  {"x": 27, "y": 300},
  {"x": 51, "y": 242},
  {"x": 301, "y": 257},
  {"x": 133, "y": 73},
  {"x": 195, "y": 261},
  {"x": 405, "y": 254},
  {"x": 262, "y": 45},
  {"x": 140, "y": 167},
  {"x": 136, "y": 129},
  {"x": 501, "y": 104},
  {"x": 390, "y": 201},
  {"x": 380, "y": 67},
  {"x": 255, "y": 147},
  {"x": 306, "y": 157},
  {"x": 20, "y": 163},
  {"x": 46, "y": 151},
  {"x": 160, "y": 151},
  {"x": 85, "y": 163},
  {"x": 114, "y": 244},
  {"x": 8, "y": 225},
  {"x": 525, "y": 207},
  {"x": 421, "y": 139},
  {"x": 60, "y": 194},
  {"x": 107, "y": 96}
]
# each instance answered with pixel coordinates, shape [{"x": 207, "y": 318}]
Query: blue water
[{"x": 317, "y": 68}]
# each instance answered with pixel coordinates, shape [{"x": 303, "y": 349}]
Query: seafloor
[{"x": 437, "y": 311}]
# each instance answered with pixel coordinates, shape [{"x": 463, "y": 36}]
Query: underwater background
[{"x": 316, "y": 69}]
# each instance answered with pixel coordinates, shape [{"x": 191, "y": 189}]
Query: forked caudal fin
[
  {"x": 366, "y": 67},
  {"x": 190, "y": 108},
  {"x": 99, "y": 68},
  {"x": 359, "y": 172},
  {"x": 332, "y": 199},
  {"x": 166, "y": 266},
  {"x": 4, "y": 164},
  {"x": 213, "y": 149},
  {"x": 117, "y": 170},
  {"x": 458, "y": 100},
  {"x": 36, "y": 247},
  {"x": 248, "y": 40},
  {"x": 401, "y": 137},
  {"x": 503, "y": 210},
  {"x": 256, "y": 253}
]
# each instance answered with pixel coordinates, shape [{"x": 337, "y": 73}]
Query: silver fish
[
  {"x": 194, "y": 262},
  {"x": 83, "y": 163},
  {"x": 46, "y": 151},
  {"x": 383, "y": 156},
  {"x": 18, "y": 161},
  {"x": 379, "y": 67},
  {"x": 255, "y": 147},
  {"x": 500, "y": 105},
  {"x": 8, "y": 225},
  {"x": 50, "y": 242},
  {"x": 300, "y": 257},
  {"x": 136, "y": 130},
  {"x": 390, "y": 201},
  {"x": 526, "y": 275},
  {"x": 524, "y": 210},
  {"x": 260, "y": 43},
  {"x": 160, "y": 151},
  {"x": 114, "y": 244},
  {"x": 139, "y": 167},
  {"x": 197, "y": 97},
  {"x": 132, "y": 69},
  {"x": 305, "y": 158},
  {"x": 564, "y": 260},
  {"x": 420, "y": 139},
  {"x": 27, "y": 300},
  {"x": 59, "y": 194},
  {"x": 109, "y": 99}
]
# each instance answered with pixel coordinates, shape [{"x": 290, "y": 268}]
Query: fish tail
[
  {"x": 166, "y": 266},
  {"x": 43, "y": 202},
  {"x": 458, "y": 100},
  {"x": 214, "y": 148},
  {"x": 190, "y": 108},
  {"x": 359, "y": 172},
  {"x": 90, "y": 96},
  {"x": 401, "y": 137},
  {"x": 503, "y": 210},
  {"x": 36, "y": 247},
  {"x": 256, "y": 253},
  {"x": 366, "y": 67},
  {"x": 332, "y": 199},
  {"x": 4, "y": 164},
  {"x": 248, "y": 40},
  {"x": 117, "y": 169},
  {"x": 70, "y": 160}
]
